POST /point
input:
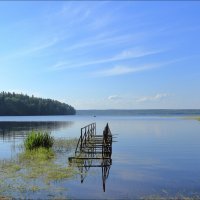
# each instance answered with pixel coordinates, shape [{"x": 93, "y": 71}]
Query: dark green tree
[{"x": 20, "y": 104}]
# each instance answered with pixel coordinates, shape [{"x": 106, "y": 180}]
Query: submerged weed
[
  {"x": 37, "y": 155},
  {"x": 36, "y": 169},
  {"x": 64, "y": 145},
  {"x": 193, "y": 118}
]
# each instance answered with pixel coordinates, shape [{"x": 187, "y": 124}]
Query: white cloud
[
  {"x": 133, "y": 53},
  {"x": 156, "y": 97},
  {"x": 114, "y": 98}
]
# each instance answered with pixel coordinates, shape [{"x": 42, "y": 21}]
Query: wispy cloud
[
  {"x": 31, "y": 49},
  {"x": 136, "y": 53},
  {"x": 124, "y": 55},
  {"x": 103, "y": 39},
  {"x": 71, "y": 14},
  {"x": 156, "y": 97},
  {"x": 120, "y": 70},
  {"x": 101, "y": 22},
  {"x": 40, "y": 47},
  {"x": 108, "y": 37},
  {"x": 114, "y": 97}
]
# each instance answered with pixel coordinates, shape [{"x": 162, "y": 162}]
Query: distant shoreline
[{"x": 140, "y": 112}]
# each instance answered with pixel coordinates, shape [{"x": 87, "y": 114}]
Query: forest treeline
[{"x": 20, "y": 104}]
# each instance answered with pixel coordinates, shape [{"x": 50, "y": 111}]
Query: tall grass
[{"x": 36, "y": 140}]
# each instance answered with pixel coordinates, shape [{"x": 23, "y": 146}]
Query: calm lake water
[{"x": 152, "y": 156}]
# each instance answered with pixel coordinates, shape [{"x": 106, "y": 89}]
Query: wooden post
[{"x": 81, "y": 140}]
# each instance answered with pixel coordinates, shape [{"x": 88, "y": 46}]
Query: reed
[{"x": 38, "y": 139}]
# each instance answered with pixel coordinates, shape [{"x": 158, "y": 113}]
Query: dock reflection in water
[{"x": 93, "y": 151}]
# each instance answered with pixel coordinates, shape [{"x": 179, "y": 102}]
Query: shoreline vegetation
[
  {"x": 13, "y": 104},
  {"x": 193, "y": 118},
  {"x": 140, "y": 112},
  {"x": 35, "y": 168}
]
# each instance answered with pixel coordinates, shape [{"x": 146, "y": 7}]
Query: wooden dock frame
[{"x": 92, "y": 147}]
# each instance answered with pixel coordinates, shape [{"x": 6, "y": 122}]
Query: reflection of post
[
  {"x": 84, "y": 168},
  {"x": 105, "y": 167},
  {"x": 82, "y": 178},
  {"x": 103, "y": 179},
  {"x": 105, "y": 171}
]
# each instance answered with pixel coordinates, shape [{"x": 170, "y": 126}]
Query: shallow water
[{"x": 153, "y": 156}]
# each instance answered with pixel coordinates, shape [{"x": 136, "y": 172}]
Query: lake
[{"x": 152, "y": 156}]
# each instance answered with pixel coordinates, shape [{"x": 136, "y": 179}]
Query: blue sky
[{"x": 101, "y": 55}]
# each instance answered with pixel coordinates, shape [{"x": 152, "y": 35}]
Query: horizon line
[{"x": 111, "y": 109}]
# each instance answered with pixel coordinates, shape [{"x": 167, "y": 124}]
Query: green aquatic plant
[
  {"x": 192, "y": 118},
  {"x": 38, "y": 169},
  {"x": 38, "y": 139},
  {"x": 41, "y": 163},
  {"x": 37, "y": 156}
]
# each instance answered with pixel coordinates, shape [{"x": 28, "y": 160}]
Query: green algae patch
[
  {"x": 36, "y": 156},
  {"x": 37, "y": 170},
  {"x": 9, "y": 167},
  {"x": 193, "y": 118},
  {"x": 60, "y": 173},
  {"x": 198, "y": 118},
  {"x": 176, "y": 197},
  {"x": 36, "y": 164},
  {"x": 41, "y": 163}
]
